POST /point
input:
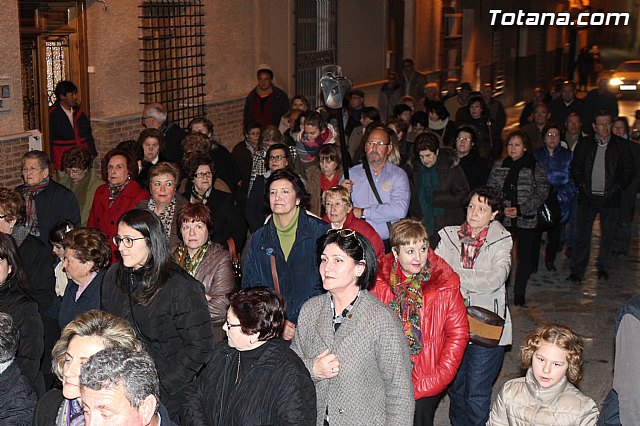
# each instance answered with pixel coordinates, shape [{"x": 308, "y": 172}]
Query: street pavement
[{"x": 589, "y": 308}]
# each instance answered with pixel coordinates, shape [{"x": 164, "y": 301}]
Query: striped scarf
[{"x": 470, "y": 245}]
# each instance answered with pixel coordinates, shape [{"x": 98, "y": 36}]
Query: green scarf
[
  {"x": 188, "y": 263},
  {"x": 287, "y": 234},
  {"x": 427, "y": 185}
]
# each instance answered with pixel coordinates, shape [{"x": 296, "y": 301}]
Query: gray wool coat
[{"x": 374, "y": 384}]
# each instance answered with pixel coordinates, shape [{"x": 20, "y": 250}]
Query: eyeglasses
[
  {"x": 229, "y": 325},
  {"x": 463, "y": 139},
  {"x": 144, "y": 117},
  {"x": 203, "y": 175},
  {"x": 344, "y": 233},
  {"x": 336, "y": 204},
  {"x": 277, "y": 157},
  {"x": 126, "y": 241},
  {"x": 377, "y": 143},
  {"x": 553, "y": 135}
]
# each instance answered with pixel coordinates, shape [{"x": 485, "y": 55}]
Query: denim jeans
[{"x": 470, "y": 391}]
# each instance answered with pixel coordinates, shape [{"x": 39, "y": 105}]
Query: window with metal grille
[
  {"x": 316, "y": 34},
  {"x": 172, "y": 60}
]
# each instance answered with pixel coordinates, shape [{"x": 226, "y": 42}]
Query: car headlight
[{"x": 616, "y": 81}]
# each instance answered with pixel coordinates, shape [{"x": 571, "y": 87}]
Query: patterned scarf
[
  {"x": 29, "y": 192},
  {"x": 470, "y": 245},
  {"x": 307, "y": 148},
  {"x": 326, "y": 183},
  {"x": 407, "y": 301},
  {"x": 116, "y": 190},
  {"x": 196, "y": 197},
  {"x": 166, "y": 216},
  {"x": 188, "y": 263},
  {"x": 70, "y": 414}
]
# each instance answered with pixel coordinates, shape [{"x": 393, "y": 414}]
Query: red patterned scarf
[{"x": 470, "y": 245}]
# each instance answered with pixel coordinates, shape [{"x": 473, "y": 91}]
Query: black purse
[{"x": 549, "y": 213}]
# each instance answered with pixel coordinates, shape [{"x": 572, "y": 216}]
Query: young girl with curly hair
[{"x": 546, "y": 395}]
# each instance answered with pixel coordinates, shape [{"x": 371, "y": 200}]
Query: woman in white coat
[{"x": 479, "y": 251}]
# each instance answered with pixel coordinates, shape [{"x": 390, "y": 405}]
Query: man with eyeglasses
[
  {"x": 390, "y": 181},
  {"x": 154, "y": 116},
  {"x": 601, "y": 168}
]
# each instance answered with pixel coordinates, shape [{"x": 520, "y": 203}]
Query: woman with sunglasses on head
[
  {"x": 352, "y": 345},
  {"x": 253, "y": 377},
  {"x": 282, "y": 253},
  {"x": 424, "y": 292},
  {"x": 165, "y": 305}
]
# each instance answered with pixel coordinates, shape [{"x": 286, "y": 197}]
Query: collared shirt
[
  {"x": 83, "y": 287},
  {"x": 393, "y": 186}
]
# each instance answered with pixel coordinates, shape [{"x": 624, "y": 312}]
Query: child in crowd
[
  {"x": 56, "y": 235},
  {"x": 546, "y": 395}
]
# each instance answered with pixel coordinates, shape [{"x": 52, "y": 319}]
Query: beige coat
[
  {"x": 484, "y": 285},
  {"x": 523, "y": 402},
  {"x": 374, "y": 384}
]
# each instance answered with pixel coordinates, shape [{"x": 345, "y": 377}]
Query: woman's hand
[
  {"x": 326, "y": 365},
  {"x": 289, "y": 330},
  {"x": 511, "y": 212}
]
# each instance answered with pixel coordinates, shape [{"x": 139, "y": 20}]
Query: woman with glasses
[
  {"x": 256, "y": 210},
  {"x": 87, "y": 255},
  {"x": 440, "y": 186},
  {"x": 253, "y": 378},
  {"x": 557, "y": 162},
  {"x": 80, "y": 179},
  {"x": 476, "y": 169},
  {"x": 206, "y": 261},
  {"x": 424, "y": 293},
  {"x": 282, "y": 253},
  {"x": 165, "y": 201},
  {"x": 118, "y": 195},
  {"x": 351, "y": 343},
  {"x": 201, "y": 188},
  {"x": 165, "y": 305},
  {"x": 479, "y": 251}
]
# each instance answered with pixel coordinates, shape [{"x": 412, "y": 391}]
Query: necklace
[{"x": 238, "y": 370}]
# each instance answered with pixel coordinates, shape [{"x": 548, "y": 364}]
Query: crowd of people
[{"x": 122, "y": 299}]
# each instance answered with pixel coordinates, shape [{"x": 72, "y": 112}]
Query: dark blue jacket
[
  {"x": 298, "y": 276},
  {"x": 557, "y": 168},
  {"x": 89, "y": 299}
]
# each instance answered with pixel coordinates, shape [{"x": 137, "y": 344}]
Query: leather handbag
[{"x": 485, "y": 326}]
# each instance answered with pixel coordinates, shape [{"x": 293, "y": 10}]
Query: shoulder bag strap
[
  {"x": 372, "y": 184},
  {"x": 274, "y": 274},
  {"x": 232, "y": 250}
]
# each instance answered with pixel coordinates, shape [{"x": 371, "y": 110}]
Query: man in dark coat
[
  {"x": 266, "y": 103},
  {"x": 567, "y": 103},
  {"x": 68, "y": 125},
  {"x": 154, "y": 116},
  {"x": 601, "y": 169}
]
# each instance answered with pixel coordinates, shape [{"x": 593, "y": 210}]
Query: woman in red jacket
[
  {"x": 120, "y": 194},
  {"x": 425, "y": 293}
]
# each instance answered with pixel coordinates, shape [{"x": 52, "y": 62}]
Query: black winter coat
[
  {"x": 17, "y": 399},
  {"x": 24, "y": 311},
  {"x": 476, "y": 169},
  {"x": 70, "y": 308},
  {"x": 276, "y": 390},
  {"x": 47, "y": 408},
  {"x": 175, "y": 326},
  {"x": 618, "y": 169},
  {"x": 54, "y": 204},
  {"x": 41, "y": 280}
]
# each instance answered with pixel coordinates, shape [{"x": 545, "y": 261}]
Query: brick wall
[
  {"x": 227, "y": 121},
  {"x": 11, "y": 150}
]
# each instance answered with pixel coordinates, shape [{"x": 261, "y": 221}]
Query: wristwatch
[{"x": 362, "y": 215}]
